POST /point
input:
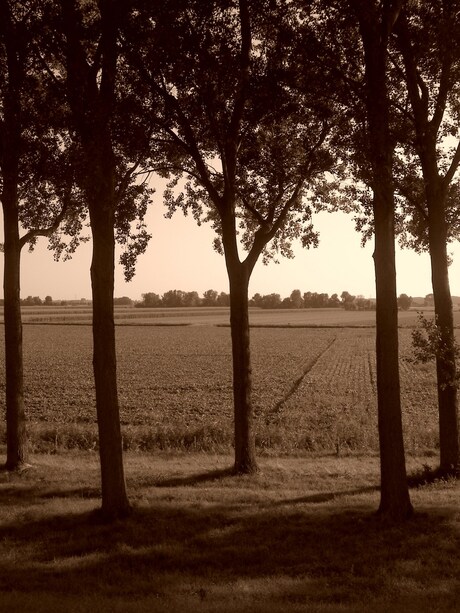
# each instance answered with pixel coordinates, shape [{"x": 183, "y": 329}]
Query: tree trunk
[
  {"x": 394, "y": 494},
  {"x": 115, "y": 502},
  {"x": 16, "y": 436},
  {"x": 239, "y": 274},
  {"x": 245, "y": 455},
  {"x": 445, "y": 360}
]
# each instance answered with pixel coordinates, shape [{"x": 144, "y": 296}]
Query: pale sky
[{"x": 180, "y": 256}]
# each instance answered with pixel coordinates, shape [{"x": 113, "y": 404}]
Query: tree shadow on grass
[
  {"x": 335, "y": 552},
  {"x": 194, "y": 479},
  {"x": 29, "y": 494},
  {"x": 322, "y": 497}
]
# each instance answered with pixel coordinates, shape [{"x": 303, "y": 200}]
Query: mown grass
[{"x": 302, "y": 535}]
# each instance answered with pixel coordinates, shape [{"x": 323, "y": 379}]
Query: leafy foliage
[
  {"x": 428, "y": 344},
  {"x": 234, "y": 123}
]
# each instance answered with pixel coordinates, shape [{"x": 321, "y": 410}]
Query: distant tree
[
  {"x": 48, "y": 300},
  {"x": 123, "y": 301},
  {"x": 173, "y": 298},
  {"x": 296, "y": 299},
  {"x": 223, "y": 299},
  {"x": 404, "y": 302},
  {"x": 32, "y": 301},
  {"x": 428, "y": 300},
  {"x": 323, "y": 300},
  {"x": 271, "y": 301},
  {"x": 348, "y": 301},
  {"x": 191, "y": 299},
  {"x": 210, "y": 298},
  {"x": 334, "y": 301},
  {"x": 307, "y": 300},
  {"x": 149, "y": 300},
  {"x": 286, "y": 303}
]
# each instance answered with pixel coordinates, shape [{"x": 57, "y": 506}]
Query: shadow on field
[
  {"x": 336, "y": 552},
  {"x": 325, "y": 496},
  {"x": 32, "y": 493},
  {"x": 210, "y": 475}
]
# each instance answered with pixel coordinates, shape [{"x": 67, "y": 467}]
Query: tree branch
[
  {"x": 31, "y": 234},
  {"x": 233, "y": 134},
  {"x": 452, "y": 168}
]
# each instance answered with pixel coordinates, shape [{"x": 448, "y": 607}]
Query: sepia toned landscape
[
  {"x": 313, "y": 386},
  {"x": 299, "y": 535},
  {"x": 229, "y": 451}
]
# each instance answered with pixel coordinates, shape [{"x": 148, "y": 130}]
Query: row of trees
[
  {"x": 178, "y": 298},
  {"x": 309, "y": 300},
  {"x": 257, "y": 113}
]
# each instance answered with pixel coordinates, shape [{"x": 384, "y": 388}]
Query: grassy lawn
[{"x": 300, "y": 536}]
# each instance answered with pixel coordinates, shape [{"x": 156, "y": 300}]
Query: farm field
[
  {"x": 220, "y": 316},
  {"x": 314, "y": 389}
]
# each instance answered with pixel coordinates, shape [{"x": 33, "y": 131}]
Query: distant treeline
[
  {"x": 177, "y": 298},
  {"x": 296, "y": 300}
]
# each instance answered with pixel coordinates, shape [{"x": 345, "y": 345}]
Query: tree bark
[
  {"x": 239, "y": 274},
  {"x": 10, "y": 150},
  {"x": 16, "y": 436},
  {"x": 245, "y": 454},
  {"x": 115, "y": 502},
  {"x": 446, "y": 368},
  {"x": 394, "y": 494}
]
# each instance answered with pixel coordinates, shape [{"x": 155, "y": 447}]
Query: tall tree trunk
[
  {"x": 239, "y": 274},
  {"x": 394, "y": 494},
  {"x": 446, "y": 368},
  {"x": 10, "y": 147},
  {"x": 114, "y": 498},
  {"x": 245, "y": 455},
  {"x": 16, "y": 436},
  {"x": 428, "y": 127},
  {"x": 91, "y": 95}
]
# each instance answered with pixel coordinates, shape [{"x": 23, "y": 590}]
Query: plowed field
[{"x": 314, "y": 389}]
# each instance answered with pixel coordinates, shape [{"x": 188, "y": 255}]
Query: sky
[{"x": 180, "y": 256}]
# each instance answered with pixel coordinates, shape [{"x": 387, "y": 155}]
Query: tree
[
  {"x": 348, "y": 301},
  {"x": 210, "y": 298},
  {"x": 296, "y": 299},
  {"x": 375, "y": 25},
  {"x": 404, "y": 302},
  {"x": 429, "y": 43},
  {"x": 223, "y": 299},
  {"x": 334, "y": 301},
  {"x": 173, "y": 298},
  {"x": 123, "y": 301},
  {"x": 29, "y": 140},
  {"x": 149, "y": 301},
  {"x": 48, "y": 300},
  {"x": 249, "y": 143},
  {"x": 111, "y": 144},
  {"x": 191, "y": 299}
]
